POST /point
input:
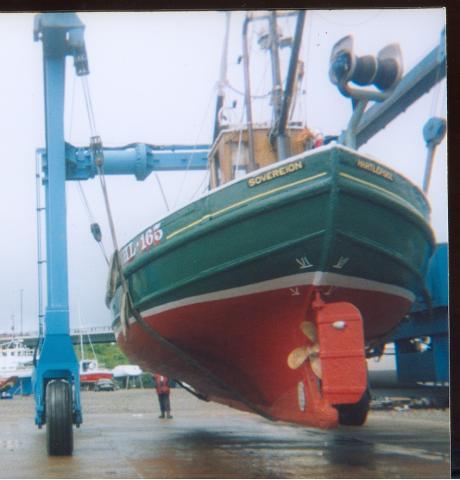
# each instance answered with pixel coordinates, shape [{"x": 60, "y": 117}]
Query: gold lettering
[
  {"x": 375, "y": 169},
  {"x": 275, "y": 173}
]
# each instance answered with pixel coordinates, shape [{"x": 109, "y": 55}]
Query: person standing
[{"x": 162, "y": 387}]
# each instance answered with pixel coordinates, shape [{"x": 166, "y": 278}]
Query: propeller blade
[
  {"x": 309, "y": 330},
  {"x": 298, "y": 356},
  {"x": 315, "y": 363}
]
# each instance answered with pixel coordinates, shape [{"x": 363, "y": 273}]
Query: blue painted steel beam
[
  {"x": 418, "y": 81},
  {"x": 138, "y": 159},
  {"x": 61, "y": 35},
  {"x": 423, "y": 324}
]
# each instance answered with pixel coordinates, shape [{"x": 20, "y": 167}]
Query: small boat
[
  {"x": 128, "y": 376},
  {"x": 91, "y": 372},
  {"x": 267, "y": 293},
  {"x": 8, "y": 386},
  {"x": 16, "y": 364},
  {"x": 126, "y": 371}
]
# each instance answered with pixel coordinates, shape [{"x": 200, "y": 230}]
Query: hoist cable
[
  {"x": 85, "y": 202},
  {"x": 89, "y": 106},
  {"x": 100, "y": 170},
  {"x": 161, "y": 190},
  {"x": 91, "y": 219}
]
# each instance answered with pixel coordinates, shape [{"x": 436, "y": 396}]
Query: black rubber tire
[
  {"x": 355, "y": 414},
  {"x": 59, "y": 431}
]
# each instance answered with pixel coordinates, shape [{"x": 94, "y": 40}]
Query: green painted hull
[{"x": 330, "y": 211}]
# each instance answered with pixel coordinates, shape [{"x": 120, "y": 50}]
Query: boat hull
[
  {"x": 93, "y": 377},
  {"x": 230, "y": 278}
]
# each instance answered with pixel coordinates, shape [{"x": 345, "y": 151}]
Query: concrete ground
[{"x": 122, "y": 437}]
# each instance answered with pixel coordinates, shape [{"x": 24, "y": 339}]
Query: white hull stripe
[{"x": 297, "y": 280}]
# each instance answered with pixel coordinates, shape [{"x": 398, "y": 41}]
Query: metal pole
[
  {"x": 57, "y": 309},
  {"x": 292, "y": 70},
  {"x": 21, "y": 292},
  {"x": 247, "y": 96},
  {"x": 428, "y": 167},
  {"x": 222, "y": 77},
  {"x": 40, "y": 260},
  {"x": 434, "y": 132},
  {"x": 281, "y": 140}
]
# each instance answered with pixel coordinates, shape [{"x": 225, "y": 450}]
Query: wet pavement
[{"x": 122, "y": 437}]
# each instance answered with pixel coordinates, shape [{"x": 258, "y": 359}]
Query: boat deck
[{"x": 122, "y": 437}]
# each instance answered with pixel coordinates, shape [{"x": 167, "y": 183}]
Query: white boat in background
[
  {"x": 128, "y": 376},
  {"x": 126, "y": 371},
  {"x": 16, "y": 365}
]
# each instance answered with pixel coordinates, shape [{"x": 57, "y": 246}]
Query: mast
[
  {"x": 291, "y": 74},
  {"x": 247, "y": 95},
  {"x": 282, "y": 102},
  {"x": 277, "y": 94},
  {"x": 220, "y": 90},
  {"x": 222, "y": 77}
]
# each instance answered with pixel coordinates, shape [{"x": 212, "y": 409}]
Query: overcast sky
[{"x": 153, "y": 79}]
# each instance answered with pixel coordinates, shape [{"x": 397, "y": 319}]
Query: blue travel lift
[{"x": 56, "y": 382}]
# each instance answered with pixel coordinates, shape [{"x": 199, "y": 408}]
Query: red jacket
[{"x": 162, "y": 383}]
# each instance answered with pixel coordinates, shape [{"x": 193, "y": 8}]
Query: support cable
[
  {"x": 89, "y": 106},
  {"x": 93, "y": 223},
  {"x": 162, "y": 191}
]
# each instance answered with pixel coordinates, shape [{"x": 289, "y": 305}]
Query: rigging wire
[
  {"x": 161, "y": 190},
  {"x": 240, "y": 92},
  {"x": 202, "y": 187},
  {"x": 205, "y": 116},
  {"x": 306, "y": 56}
]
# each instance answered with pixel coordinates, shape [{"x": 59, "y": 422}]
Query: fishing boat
[
  {"x": 268, "y": 292},
  {"x": 91, "y": 372},
  {"x": 16, "y": 360}
]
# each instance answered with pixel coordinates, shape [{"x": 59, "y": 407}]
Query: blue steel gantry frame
[{"x": 62, "y": 35}]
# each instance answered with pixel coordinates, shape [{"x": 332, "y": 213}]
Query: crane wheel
[
  {"x": 354, "y": 414},
  {"x": 59, "y": 432}
]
